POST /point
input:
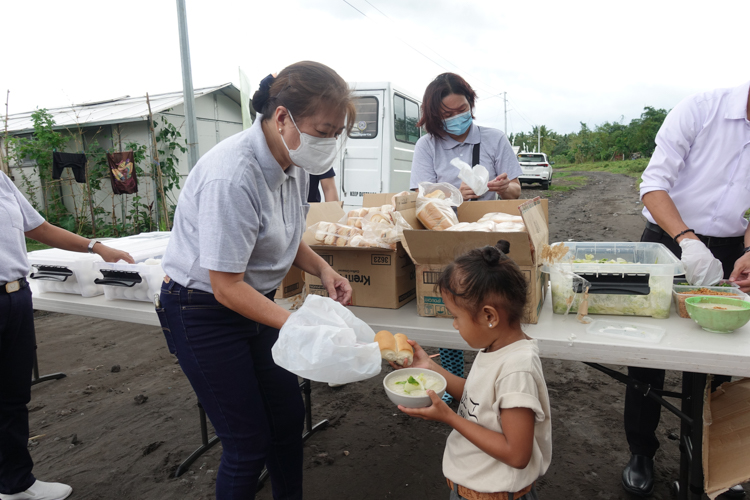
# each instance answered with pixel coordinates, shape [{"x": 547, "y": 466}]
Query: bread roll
[
  {"x": 321, "y": 232},
  {"x": 438, "y": 194},
  {"x": 404, "y": 350},
  {"x": 387, "y": 344},
  {"x": 330, "y": 237},
  {"x": 343, "y": 234},
  {"x": 378, "y": 218},
  {"x": 461, "y": 226},
  {"x": 433, "y": 218}
]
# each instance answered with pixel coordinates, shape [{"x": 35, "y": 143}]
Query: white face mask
[{"x": 314, "y": 154}]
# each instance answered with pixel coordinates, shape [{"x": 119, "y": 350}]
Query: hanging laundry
[
  {"x": 122, "y": 172},
  {"x": 76, "y": 161}
]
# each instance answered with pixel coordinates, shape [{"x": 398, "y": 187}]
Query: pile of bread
[
  {"x": 493, "y": 223},
  {"x": 341, "y": 235},
  {"x": 376, "y": 227}
]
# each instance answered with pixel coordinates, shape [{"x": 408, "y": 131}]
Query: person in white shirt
[
  {"x": 502, "y": 434},
  {"x": 696, "y": 190},
  {"x": 19, "y": 220}
]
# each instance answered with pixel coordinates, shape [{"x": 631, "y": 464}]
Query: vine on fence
[{"x": 92, "y": 218}]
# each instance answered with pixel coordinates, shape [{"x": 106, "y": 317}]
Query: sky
[{"x": 560, "y": 62}]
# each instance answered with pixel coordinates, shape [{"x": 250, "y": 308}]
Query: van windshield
[
  {"x": 531, "y": 158},
  {"x": 366, "y": 122}
]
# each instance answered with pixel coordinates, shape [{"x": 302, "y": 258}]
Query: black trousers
[
  {"x": 17, "y": 344},
  {"x": 641, "y": 413}
]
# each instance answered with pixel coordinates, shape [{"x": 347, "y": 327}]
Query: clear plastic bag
[
  {"x": 476, "y": 178},
  {"x": 334, "y": 234},
  {"x": 435, "y": 204},
  {"x": 325, "y": 342}
]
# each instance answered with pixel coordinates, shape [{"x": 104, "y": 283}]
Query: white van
[{"x": 377, "y": 155}]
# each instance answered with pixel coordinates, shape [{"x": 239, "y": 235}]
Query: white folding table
[{"x": 685, "y": 347}]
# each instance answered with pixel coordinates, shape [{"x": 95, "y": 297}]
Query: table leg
[
  {"x": 681, "y": 486},
  {"x": 697, "y": 391},
  {"x": 36, "y": 379},
  {"x": 206, "y": 444}
]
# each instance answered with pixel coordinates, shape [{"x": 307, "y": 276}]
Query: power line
[
  {"x": 402, "y": 40},
  {"x": 421, "y": 53},
  {"x": 522, "y": 115}
]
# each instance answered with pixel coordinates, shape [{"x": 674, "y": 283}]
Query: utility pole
[
  {"x": 187, "y": 87},
  {"x": 505, "y": 109},
  {"x": 538, "y": 139}
]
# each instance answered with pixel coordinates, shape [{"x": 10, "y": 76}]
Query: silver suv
[{"x": 535, "y": 168}]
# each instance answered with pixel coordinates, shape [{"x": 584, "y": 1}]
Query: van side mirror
[{"x": 552, "y": 163}]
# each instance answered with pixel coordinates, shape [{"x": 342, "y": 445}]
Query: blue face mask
[{"x": 457, "y": 125}]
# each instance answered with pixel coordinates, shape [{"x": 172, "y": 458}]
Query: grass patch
[
  {"x": 32, "y": 245},
  {"x": 631, "y": 168},
  {"x": 568, "y": 183}
]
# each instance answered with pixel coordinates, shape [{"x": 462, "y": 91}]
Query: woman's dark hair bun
[
  {"x": 503, "y": 246},
  {"x": 261, "y": 96}
]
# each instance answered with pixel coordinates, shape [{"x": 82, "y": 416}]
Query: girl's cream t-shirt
[{"x": 510, "y": 377}]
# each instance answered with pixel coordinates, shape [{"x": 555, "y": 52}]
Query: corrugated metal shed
[{"x": 119, "y": 110}]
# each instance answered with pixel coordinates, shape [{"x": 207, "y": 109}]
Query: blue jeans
[
  {"x": 17, "y": 344},
  {"x": 255, "y": 406}
]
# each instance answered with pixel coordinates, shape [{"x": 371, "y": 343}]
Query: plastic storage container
[
  {"x": 640, "y": 284},
  {"x": 139, "y": 281},
  {"x": 56, "y": 270},
  {"x": 679, "y": 296}
]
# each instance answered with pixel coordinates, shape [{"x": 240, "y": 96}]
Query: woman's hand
[
  {"x": 438, "y": 411},
  {"x": 499, "y": 184},
  {"x": 337, "y": 286},
  {"x": 467, "y": 192},
  {"x": 741, "y": 273},
  {"x": 421, "y": 359},
  {"x": 109, "y": 254}
]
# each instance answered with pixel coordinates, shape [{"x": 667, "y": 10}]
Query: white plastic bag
[
  {"x": 476, "y": 178},
  {"x": 325, "y": 342}
]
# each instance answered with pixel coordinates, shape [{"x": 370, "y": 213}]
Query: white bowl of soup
[{"x": 408, "y": 386}]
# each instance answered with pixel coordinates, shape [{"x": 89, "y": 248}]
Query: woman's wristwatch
[
  {"x": 91, "y": 245},
  {"x": 747, "y": 249}
]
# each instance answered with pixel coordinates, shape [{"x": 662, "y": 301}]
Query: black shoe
[
  {"x": 736, "y": 491},
  {"x": 638, "y": 476}
]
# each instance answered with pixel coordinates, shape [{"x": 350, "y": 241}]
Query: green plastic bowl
[{"x": 717, "y": 320}]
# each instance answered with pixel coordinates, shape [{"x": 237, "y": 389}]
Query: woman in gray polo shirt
[
  {"x": 448, "y": 117},
  {"x": 238, "y": 229}
]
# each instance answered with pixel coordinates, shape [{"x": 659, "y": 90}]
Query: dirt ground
[{"x": 125, "y": 416}]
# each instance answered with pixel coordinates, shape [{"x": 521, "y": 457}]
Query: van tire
[{"x": 545, "y": 185}]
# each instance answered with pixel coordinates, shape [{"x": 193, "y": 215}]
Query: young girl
[{"x": 502, "y": 437}]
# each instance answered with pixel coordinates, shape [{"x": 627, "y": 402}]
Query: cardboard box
[
  {"x": 293, "y": 283},
  {"x": 726, "y": 436},
  {"x": 431, "y": 251},
  {"x": 379, "y": 277}
]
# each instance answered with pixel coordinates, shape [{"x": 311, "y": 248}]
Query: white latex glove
[{"x": 701, "y": 267}]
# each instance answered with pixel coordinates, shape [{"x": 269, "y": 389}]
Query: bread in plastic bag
[
  {"x": 498, "y": 217},
  {"x": 476, "y": 178},
  {"x": 435, "y": 203},
  {"x": 325, "y": 342},
  {"x": 333, "y": 234}
]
